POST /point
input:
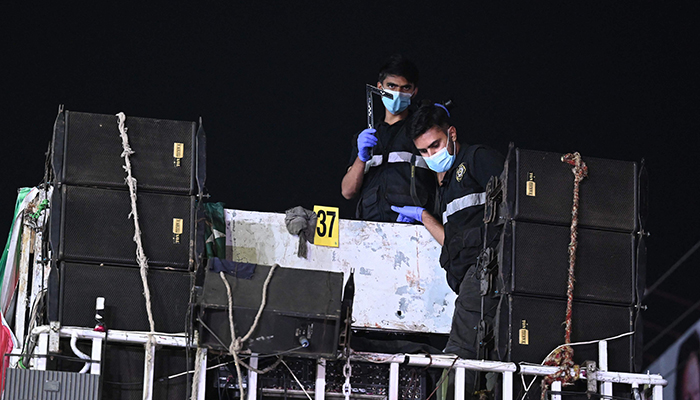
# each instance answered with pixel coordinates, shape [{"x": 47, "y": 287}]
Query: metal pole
[
  {"x": 460, "y": 383},
  {"x": 252, "y": 379},
  {"x": 658, "y": 392},
  {"x": 96, "y": 356},
  {"x": 556, "y": 387},
  {"x": 320, "y": 379},
  {"x": 42, "y": 350},
  {"x": 149, "y": 362},
  {"x": 507, "y": 385},
  {"x": 394, "y": 381},
  {"x": 606, "y": 387}
]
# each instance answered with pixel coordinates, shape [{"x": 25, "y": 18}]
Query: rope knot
[
  {"x": 235, "y": 346},
  {"x": 580, "y": 169},
  {"x": 563, "y": 357}
]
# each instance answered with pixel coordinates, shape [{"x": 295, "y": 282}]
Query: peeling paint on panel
[
  {"x": 401, "y": 258},
  {"x": 387, "y": 279}
]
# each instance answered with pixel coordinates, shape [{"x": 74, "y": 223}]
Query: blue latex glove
[
  {"x": 365, "y": 141},
  {"x": 409, "y": 213}
]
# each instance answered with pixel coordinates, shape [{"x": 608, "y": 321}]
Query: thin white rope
[
  {"x": 588, "y": 342},
  {"x": 196, "y": 376},
  {"x": 140, "y": 254},
  {"x": 236, "y": 343}
]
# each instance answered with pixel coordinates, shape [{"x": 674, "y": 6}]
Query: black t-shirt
[
  {"x": 462, "y": 198},
  {"x": 388, "y": 179}
]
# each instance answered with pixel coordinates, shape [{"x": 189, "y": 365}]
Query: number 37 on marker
[{"x": 326, "y": 226}]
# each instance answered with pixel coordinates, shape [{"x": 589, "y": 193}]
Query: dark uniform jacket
[
  {"x": 462, "y": 198},
  {"x": 387, "y": 179}
]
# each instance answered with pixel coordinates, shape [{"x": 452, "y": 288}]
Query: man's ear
[
  {"x": 415, "y": 92},
  {"x": 452, "y": 131},
  {"x": 379, "y": 85}
]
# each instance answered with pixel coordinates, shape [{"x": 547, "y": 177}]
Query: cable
[
  {"x": 296, "y": 379},
  {"x": 76, "y": 350}
]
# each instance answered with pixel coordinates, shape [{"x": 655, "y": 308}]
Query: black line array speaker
[
  {"x": 535, "y": 211},
  {"x": 125, "y": 303},
  {"x": 94, "y": 224},
  {"x": 168, "y": 155},
  {"x": 540, "y": 189},
  {"x": 530, "y": 327},
  {"x": 535, "y": 261},
  {"x": 300, "y": 303},
  {"x": 91, "y": 228}
]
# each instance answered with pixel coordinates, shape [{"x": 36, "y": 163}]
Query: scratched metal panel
[{"x": 399, "y": 283}]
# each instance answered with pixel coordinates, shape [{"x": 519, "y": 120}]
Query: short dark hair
[
  {"x": 400, "y": 66},
  {"x": 428, "y": 116}
]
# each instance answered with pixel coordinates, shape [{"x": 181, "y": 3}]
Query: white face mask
[
  {"x": 442, "y": 160},
  {"x": 399, "y": 103}
]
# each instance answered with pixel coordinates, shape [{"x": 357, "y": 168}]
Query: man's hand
[
  {"x": 365, "y": 141},
  {"x": 409, "y": 213}
]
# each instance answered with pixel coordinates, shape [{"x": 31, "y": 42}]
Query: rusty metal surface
[{"x": 399, "y": 283}]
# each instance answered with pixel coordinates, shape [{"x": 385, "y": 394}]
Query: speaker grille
[
  {"x": 608, "y": 196},
  {"x": 311, "y": 302},
  {"x": 95, "y": 226},
  {"x": 92, "y": 152},
  {"x": 122, "y": 289},
  {"x": 535, "y": 260},
  {"x": 543, "y": 319}
]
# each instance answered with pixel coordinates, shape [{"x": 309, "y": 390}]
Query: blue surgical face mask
[
  {"x": 399, "y": 103},
  {"x": 441, "y": 161}
]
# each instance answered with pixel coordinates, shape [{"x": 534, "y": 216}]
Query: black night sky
[{"x": 280, "y": 88}]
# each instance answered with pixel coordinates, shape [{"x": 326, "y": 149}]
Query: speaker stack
[
  {"x": 535, "y": 208},
  {"x": 92, "y": 230}
]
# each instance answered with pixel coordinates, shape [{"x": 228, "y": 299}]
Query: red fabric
[{"x": 6, "y": 345}]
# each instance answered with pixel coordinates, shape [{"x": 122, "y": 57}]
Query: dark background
[{"x": 280, "y": 88}]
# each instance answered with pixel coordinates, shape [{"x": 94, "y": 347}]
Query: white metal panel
[{"x": 398, "y": 279}]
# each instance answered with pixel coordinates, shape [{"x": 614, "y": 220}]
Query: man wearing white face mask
[
  {"x": 463, "y": 172},
  {"x": 384, "y": 168}
]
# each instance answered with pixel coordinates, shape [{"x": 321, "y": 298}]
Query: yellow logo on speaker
[
  {"x": 178, "y": 153},
  {"x": 530, "y": 185},
  {"x": 523, "y": 333},
  {"x": 177, "y": 226},
  {"x": 177, "y": 230}
]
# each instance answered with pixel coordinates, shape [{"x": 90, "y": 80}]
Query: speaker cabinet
[
  {"x": 87, "y": 151},
  {"x": 540, "y": 189},
  {"x": 299, "y": 303},
  {"x": 529, "y": 328},
  {"x": 125, "y": 304},
  {"x": 93, "y": 224},
  {"x": 534, "y": 259}
]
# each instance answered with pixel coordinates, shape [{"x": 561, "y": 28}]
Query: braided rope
[
  {"x": 237, "y": 342},
  {"x": 140, "y": 254},
  {"x": 563, "y": 356}
]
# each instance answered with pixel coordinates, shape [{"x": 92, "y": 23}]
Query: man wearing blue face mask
[
  {"x": 385, "y": 169},
  {"x": 463, "y": 172}
]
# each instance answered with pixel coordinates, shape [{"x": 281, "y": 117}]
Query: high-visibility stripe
[
  {"x": 470, "y": 200},
  {"x": 375, "y": 161},
  {"x": 396, "y": 157}
]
